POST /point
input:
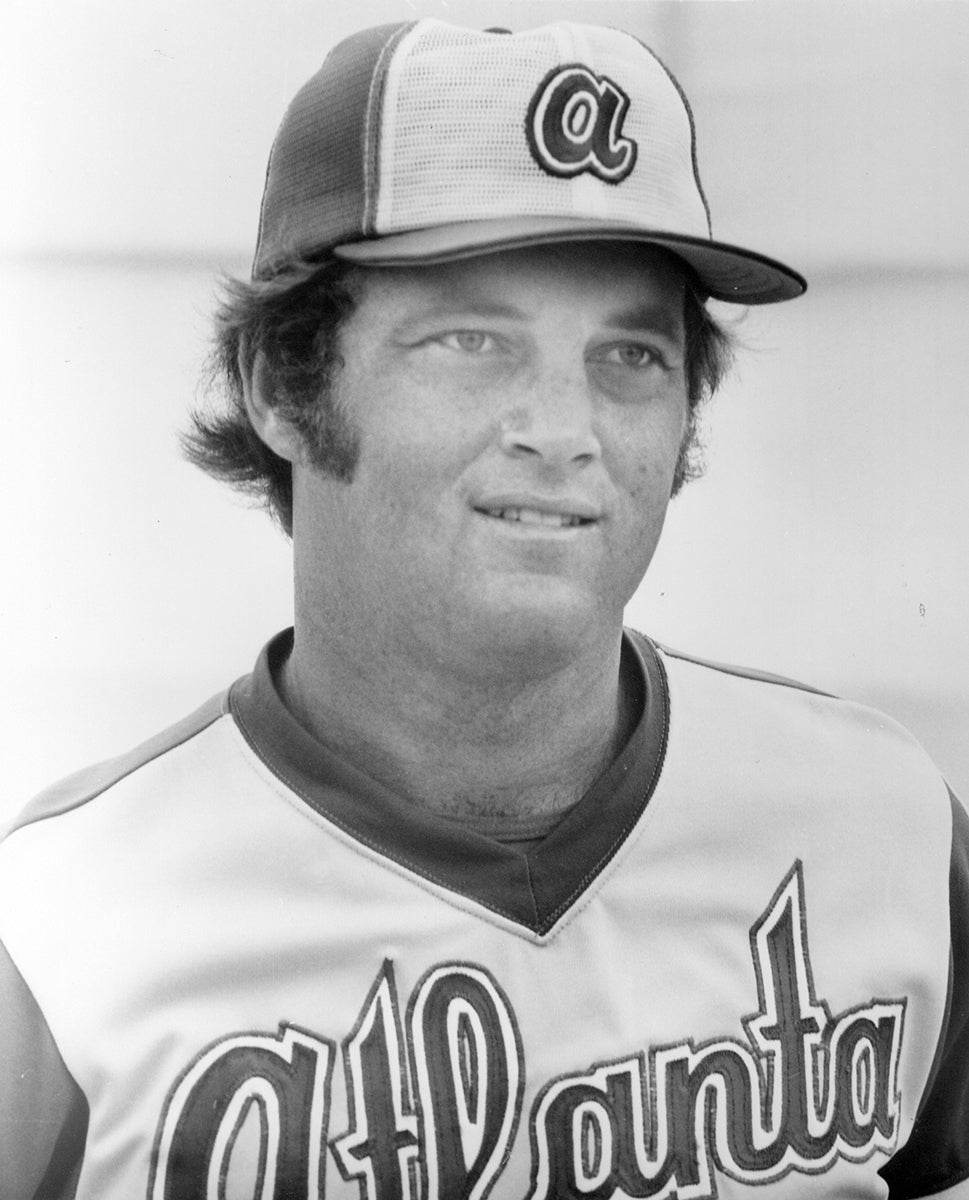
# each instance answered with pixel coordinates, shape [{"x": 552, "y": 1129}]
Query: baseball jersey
[{"x": 235, "y": 967}]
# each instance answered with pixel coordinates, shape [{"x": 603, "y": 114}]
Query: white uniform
[{"x": 739, "y": 967}]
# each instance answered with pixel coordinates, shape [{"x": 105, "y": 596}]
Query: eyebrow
[
  {"x": 659, "y": 318},
  {"x": 461, "y": 303}
]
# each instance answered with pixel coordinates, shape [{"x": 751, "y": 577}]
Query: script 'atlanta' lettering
[{"x": 434, "y": 1096}]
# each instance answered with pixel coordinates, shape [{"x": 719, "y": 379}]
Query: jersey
[{"x": 237, "y": 967}]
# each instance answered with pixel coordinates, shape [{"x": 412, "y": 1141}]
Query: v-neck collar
[{"x": 532, "y": 888}]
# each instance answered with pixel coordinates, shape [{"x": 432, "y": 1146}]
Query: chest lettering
[{"x": 435, "y": 1096}]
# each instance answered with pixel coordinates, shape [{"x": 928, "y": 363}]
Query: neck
[{"x": 504, "y": 749}]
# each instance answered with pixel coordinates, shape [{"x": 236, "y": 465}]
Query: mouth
[{"x": 535, "y": 516}]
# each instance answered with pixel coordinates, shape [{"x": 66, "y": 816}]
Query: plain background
[{"x": 827, "y": 540}]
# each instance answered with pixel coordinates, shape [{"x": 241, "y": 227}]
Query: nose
[{"x": 553, "y": 422}]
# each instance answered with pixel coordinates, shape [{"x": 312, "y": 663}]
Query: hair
[
  {"x": 293, "y": 321},
  {"x": 710, "y": 348}
]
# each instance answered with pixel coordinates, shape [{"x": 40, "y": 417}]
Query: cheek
[
  {"x": 648, "y": 452},
  {"x": 407, "y": 482},
  {"x": 418, "y": 448}
]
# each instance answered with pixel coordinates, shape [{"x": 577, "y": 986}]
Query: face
[{"x": 520, "y": 416}]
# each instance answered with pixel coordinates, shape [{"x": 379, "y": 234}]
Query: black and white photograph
[{"x": 485, "y": 600}]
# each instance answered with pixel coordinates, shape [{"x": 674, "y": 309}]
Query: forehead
[{"x": 598, "y": 276}]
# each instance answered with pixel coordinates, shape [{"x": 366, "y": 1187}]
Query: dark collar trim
[{"x": 532, "y": 888}]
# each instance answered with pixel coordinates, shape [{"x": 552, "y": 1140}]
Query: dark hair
[
  {"x": 293, "y": 320},
  {"x": 709, "y": 356}
]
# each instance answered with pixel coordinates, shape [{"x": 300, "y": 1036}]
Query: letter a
[{"x": 277, "y": 1086}]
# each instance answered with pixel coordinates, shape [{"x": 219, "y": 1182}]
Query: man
[{"x": 465, "y": 891}]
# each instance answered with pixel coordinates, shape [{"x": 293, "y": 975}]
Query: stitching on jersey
[
  {"x": 539, "y": 925},
  {"x": 531, "y": 891},
  {"x": 310, "y": 808},
  {"x": 360, "y": 846},
  {"x": 623, "y": 837}
]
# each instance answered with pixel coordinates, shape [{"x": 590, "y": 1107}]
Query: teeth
[{"x": 532, "y": 516}]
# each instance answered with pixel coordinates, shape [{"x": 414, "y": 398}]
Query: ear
[{"x": 257, "y": 389}]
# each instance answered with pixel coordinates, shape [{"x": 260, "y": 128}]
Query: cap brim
[{"x": 727, "y": 272}]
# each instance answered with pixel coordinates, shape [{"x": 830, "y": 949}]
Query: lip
[{"x": 577, "y": 512}]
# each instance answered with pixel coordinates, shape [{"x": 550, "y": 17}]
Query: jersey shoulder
[
  {"x": 87, "y": 784},
  {"x": 740, "y": 672},
  {"x": 803, "y": 709},
  {"x": 757, "y": 717}
]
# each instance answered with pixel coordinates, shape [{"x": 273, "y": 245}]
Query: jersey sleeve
[
  {"x": 935, "y": 1159},
  {"x": 43, "y": 1114},
  {"x": 43, "y": 1111}
]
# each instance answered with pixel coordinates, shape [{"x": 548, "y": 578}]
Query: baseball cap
[{"x": 426, "y": 142}]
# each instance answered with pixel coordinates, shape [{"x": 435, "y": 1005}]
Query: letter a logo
[{"x": 574, "y": 124}]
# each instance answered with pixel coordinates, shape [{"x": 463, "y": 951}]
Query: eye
[
  {"x": 628, "y": 354},
  {"x": 467, "y": 341}
]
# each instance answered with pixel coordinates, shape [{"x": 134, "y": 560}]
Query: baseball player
[{"x": 465, "y": 890}]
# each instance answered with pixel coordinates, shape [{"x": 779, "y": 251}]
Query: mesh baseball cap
[{"x": 425, "y": 142}]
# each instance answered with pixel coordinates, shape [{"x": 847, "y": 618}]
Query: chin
[{"x": 536, "y": 634}]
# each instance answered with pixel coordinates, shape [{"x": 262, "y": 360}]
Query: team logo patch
[{"x": 574, "y": 125}]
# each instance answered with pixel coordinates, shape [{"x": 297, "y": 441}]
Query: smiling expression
[{"x": 520, "y": 416}]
